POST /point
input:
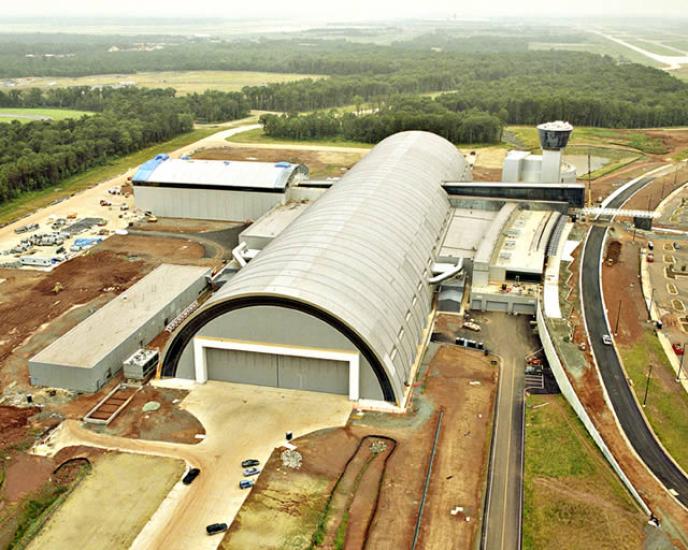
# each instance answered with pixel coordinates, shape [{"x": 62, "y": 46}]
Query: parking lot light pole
[
  {"x": 647, "y": 384},
  {"x": 618, "y": 316}
]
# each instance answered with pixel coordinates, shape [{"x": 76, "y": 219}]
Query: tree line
[
  {"x": 210, "y": 106},
  {"x": 410, "y": 113}
]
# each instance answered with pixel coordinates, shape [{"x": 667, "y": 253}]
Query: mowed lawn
[
  {"x": 572, "y": 498},
  {"x": 8, "y": 114},
  {"x": 185, "y": 82}
]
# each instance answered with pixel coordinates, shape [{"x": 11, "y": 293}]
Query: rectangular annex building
[
  {"x": 87, "y": 356},
  {"x": 212, "y": 189}
]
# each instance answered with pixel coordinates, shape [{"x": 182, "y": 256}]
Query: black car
[
  {"x": 248, "y": 463},
  {"x": 190, "y": 476},
  {"x": 215, "y": 528}
]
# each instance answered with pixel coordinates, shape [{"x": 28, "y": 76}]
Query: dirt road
[{"x": 241, "y": 422}]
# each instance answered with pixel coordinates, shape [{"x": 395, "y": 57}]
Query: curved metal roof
[
  {"x": 362, "y": 252},
  {"x": 217, "y": 173}
]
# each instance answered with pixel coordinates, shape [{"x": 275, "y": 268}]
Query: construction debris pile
[{"x": 291, "y": 459}]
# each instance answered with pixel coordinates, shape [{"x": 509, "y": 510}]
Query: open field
[
  {"x": 109, "y": 507},
  {"x": 293, "y": 508},
  {"x": 8, "y": 114},
  {"x": 185, "y": 82},
  {"x": 258, "y": 136},
  {"x": 322, "y": 164},
  {"x": 572, "y": 497}
]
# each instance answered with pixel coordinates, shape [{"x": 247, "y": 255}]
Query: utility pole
[
  {"x": 680, "y": 367},
  {"x": 589, "y": 182},
  {"x": 647, "y": 384},
  {"x": 618, "y": 316}
]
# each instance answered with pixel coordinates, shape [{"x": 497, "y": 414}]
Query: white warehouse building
[{"x": 213, "y": 189}]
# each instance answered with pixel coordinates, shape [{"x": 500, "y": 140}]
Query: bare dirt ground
[
  {"x": 168, "y": 423},
  {"x": 622, "y": 284},
  {"x": 649, "y": 197},
  {"x": 603, "y": 186},
  {"x": 109, "y": 508},
  {"x": 287, "y": 505},
  {"x": 322, "y": 164},
  {"x": 28, "y": 303}
]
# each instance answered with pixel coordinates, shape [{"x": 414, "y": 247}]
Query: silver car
[{"x": 606, "y": 339}]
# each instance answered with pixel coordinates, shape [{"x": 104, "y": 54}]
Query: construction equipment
[{"x": 58, "y": 288}]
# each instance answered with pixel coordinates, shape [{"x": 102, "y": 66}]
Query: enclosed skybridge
[
  {"x": 570, "y": 194},
  {"x": 599, "y": 211}
]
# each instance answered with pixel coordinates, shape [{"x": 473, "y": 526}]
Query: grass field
[
  {"x": 185, "y": 82},
  {"x": 667, "y": 403},
  {"x": 8, "y": 114},
  {"x": 572, "y": 498},
  {"x": 587, "y": 136},
  {"x": 29, "y": 202},
  {"x": 108, "y": 508},
  {"x": 257, "y": 136}
]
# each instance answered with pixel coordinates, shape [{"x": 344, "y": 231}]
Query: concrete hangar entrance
[{"x": 277, "y": 366}]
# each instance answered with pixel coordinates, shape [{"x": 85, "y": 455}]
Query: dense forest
[
  {"x": 401, "y": 114},
  {"x": 479, "y": 82},
  {"x": 42, "y": 153},
  {"x": 520, "y": 88},
  {"x": 210, "y": 106}
]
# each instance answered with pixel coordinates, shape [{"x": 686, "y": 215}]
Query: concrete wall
[
  {"x": 570, "y": 394},
  {"x": 507, "y": 303},
  {"x": 278, "y": 325},
  {"x": 92, "y": 379},
  {"x": 205, "y": 204}
]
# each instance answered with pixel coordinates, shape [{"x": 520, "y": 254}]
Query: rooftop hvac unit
[
  {"x": 505, "y": 256},
  {"x": 509, "y": 244},
  {"x": 512, "y": 232}
]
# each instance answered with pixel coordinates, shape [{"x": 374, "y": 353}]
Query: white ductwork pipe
[
  {"x": 238, "y": 254},
  {"x": 455, "y": 270}
]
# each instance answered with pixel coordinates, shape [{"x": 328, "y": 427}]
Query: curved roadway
[{"x": 613, "y": 376}]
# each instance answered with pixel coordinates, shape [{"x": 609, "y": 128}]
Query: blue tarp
[{"x": 147, "y": 168}]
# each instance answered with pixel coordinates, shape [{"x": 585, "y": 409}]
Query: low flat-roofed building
[
  {"x": 259, "y": 234},
  {"x": 212, "y": 189},
  {"x": 87, "y": 356}
]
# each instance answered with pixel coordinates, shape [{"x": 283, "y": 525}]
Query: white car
[{"x": 606, "y": 339}]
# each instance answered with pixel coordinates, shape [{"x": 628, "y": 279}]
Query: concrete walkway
[{"x": 241, "y": 422}]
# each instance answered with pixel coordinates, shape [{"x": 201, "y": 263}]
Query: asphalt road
[
  {"x": 625, "y": 406},
  {"x": 509, "y": 337}
]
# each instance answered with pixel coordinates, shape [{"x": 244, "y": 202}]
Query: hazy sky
[{"x": 343, "y": 9}]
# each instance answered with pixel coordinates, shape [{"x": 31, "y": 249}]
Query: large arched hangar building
[{"x": 340, "y": 301}]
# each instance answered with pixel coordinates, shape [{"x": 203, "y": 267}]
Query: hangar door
[{"x": 278, "y": 371}]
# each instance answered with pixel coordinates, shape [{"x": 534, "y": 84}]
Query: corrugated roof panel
[{"x": 219, "y": 173}]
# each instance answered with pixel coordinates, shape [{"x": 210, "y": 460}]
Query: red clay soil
[
  {"x": 14, "y": 425},
  {"x": 621, "y": 283},
  {"x": 464, "y": 441},
  {"x": 487, "y": 174},
  {"x": 601, "y": 187},
  {"x": 649, "y": 197},
  {"x": 168, "y": 423},
  {"x": 28, "y": 300},
  {"x": 24, "y": 474}
]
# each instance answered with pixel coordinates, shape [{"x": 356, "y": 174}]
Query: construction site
[{"x": 363, "y": 331}]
